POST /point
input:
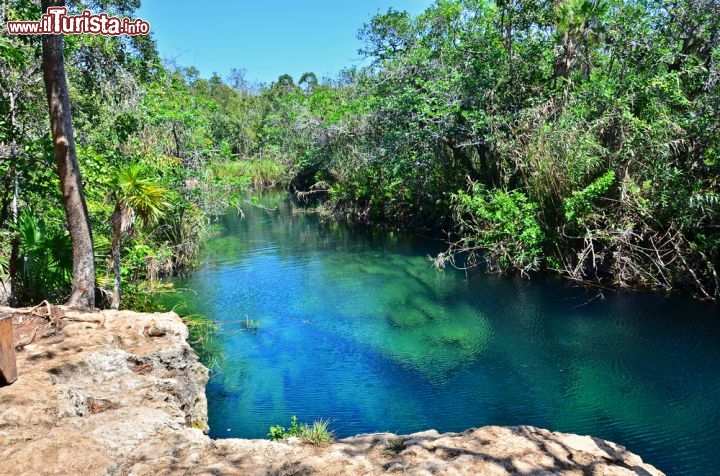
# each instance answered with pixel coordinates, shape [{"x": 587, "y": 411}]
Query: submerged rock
[{"x": 123, "y": 393}]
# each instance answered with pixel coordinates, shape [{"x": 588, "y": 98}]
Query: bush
[
  {"x": 582, "y": 203},
  {"x": 318, "y": 434},
  {"x": 278, "y": 432},
  {"x": 500, "y": 226}
]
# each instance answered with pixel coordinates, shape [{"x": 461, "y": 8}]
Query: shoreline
[{"x": 118, "y": 392}]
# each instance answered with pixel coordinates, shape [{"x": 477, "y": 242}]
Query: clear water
[{"x": 357, "y": 327}]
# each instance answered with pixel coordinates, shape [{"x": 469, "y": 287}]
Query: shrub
[
  {"x": 500, "y": 226},
  {"x": 582, "y": 202},
  {"x": 278, "y": 432},
  {"x": 317, "y": 434}
]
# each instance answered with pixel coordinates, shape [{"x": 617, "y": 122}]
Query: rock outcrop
[{"x": 123, "y": 393}]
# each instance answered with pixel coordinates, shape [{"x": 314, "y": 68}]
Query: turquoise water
[{"x": 357, "y": 327}]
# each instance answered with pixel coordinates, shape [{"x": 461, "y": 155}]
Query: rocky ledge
[{"x": 123, "y": 393}]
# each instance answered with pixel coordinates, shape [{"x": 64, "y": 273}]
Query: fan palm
[
  {"x": 136, "y": 196},
  {"x": 578, "y": 26},
  {"x": 45, "y": 269}
]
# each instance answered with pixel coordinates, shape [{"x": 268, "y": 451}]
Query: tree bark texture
[
  {"x": 83, "y": 285},
  {"x": 116, "y": 221}
]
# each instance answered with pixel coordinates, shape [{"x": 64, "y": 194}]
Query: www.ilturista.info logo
[{"x": 57, "y": 22}]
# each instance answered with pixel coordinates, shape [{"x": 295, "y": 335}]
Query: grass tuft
[
  {"x": 394, "y": 447},
  {"x": 318, "y": 434}
]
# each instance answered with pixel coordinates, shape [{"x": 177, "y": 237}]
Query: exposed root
[
  {"x": 29, "y": 341},
  {"x": 54, "y": 317}
]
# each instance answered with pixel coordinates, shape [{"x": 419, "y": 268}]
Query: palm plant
[
  {"x": 578, "y": 26},
  {"x": 136, "y": 195},
  {"x": 45, "y": 268},
  {"x": 4, "y": 267}
]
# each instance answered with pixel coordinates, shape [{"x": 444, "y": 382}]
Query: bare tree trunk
[
  {"x": 15, "y": 249},
  {"x": 15, "y": 246},
  {"x": 116, "y": 222},
  {"x": 177, "y": 140},
  {"x": 83, "y": 286}
]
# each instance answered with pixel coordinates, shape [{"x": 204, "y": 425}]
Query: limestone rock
[{"x": 121, "y": 393}]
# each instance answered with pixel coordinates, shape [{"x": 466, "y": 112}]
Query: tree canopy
[{"x": 576, "y": 136}]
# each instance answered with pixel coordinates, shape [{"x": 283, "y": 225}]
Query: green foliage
[
  {"x": 576, "y": 117},
  {"x": 137, "y": 192},
  {"x": 317, "y": 434},
  {"x": 4, "y": 268},
  {"x": 582, "y": 202},
  {"x": 502, "y": 225},
  {"x": 147, "y": 296},
  {"x": 258, "y": 172},
  {"x": 278, "y": 432},
  {"x": 46, "y": 260},
  {"x": 141, "y": 144},
  {"x": 601, "y": 113},
  {"x": 387, "y": 34}
]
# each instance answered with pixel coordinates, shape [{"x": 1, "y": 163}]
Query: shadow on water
[{"x": 356, "y": 326}]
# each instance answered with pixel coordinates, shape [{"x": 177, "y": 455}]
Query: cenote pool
[{"x": 357, "y": 327}]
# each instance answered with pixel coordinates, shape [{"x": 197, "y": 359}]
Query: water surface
[{"x": 357, "y": 327}]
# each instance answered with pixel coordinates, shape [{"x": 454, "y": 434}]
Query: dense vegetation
[
  {"x": 579, "y": 136},
  {"x": 149, "y": 141}
]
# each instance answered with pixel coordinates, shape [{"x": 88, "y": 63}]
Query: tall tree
[{"x": 83, "y": 285}]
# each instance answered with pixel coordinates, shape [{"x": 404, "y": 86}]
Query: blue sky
[{"x": 266, "y": 38}]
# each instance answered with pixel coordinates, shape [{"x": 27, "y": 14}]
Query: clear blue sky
[{"x": 265, "y": 37}]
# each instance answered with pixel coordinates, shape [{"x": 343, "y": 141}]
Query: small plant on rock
[
  {"x": 394, "y": 447},
  {"x": 278, "y": 432},
  {"x": 317, "y": 434}
]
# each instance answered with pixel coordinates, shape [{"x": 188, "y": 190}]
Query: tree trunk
[
  {"x": 177, "y": 140},
  {"x": 15, "y": 248},
  {"x": 8, "y": 183},
  {"x": 116, "y": 222},
  {"x": 83, "y": 285}
]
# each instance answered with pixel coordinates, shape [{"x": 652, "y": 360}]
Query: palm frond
[{"x": 139, "y": 195}]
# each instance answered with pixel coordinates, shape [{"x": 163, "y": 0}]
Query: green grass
[
  {"x": 318, "y": 434},
  {"x": 203, "y": 331},
  {"x": 260, "y": 172}
]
